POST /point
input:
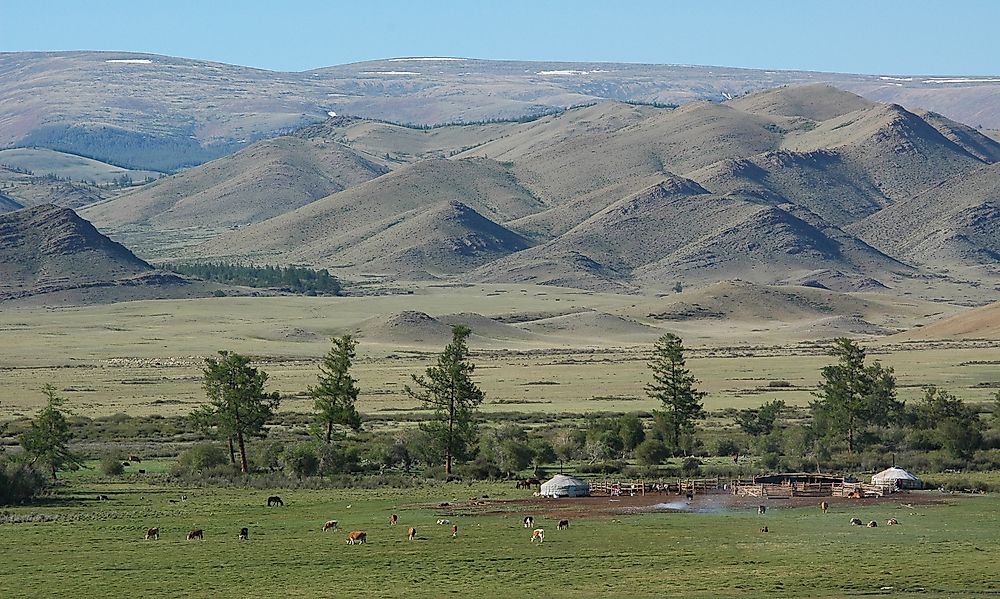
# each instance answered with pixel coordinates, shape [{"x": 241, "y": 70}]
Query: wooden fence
[
  {"x": 797, "y": 489},
  {"x": 614, "y": 488}
]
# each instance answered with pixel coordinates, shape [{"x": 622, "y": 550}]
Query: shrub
[
  {"x": 727, "y": 446},
  {"x": 111, "y": 465},
  {"x": 651, "y": 452},
  {"x": 691, "y": 466},
  {"x": 200, "y": 457},
  {"x": 301, "y": 460},
  {"x": 20, "y": 482}
]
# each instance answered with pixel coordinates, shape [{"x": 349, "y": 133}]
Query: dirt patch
[{"x": 610, "y": 507}]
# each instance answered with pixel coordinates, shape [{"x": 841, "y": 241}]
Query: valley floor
[{"x": 96, "y": 548}]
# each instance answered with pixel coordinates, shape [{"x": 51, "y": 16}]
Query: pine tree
[
  {"x": 674, "y": 386},
  {"x": 449, "y": 390},
  {"x": 337, "y": 391},
  {"x": 47, "y": 440},
  {"x": 238, "y": 405},
  {"x": 852, "y": 396}
]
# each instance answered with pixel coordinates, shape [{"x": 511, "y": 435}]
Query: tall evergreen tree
[
  {"x": 337, "y": 390},
  {"x": 674, "y": 386},
  {"x": 852, "y": 396},
  {"x": 449, "y": 390},
  {"x": 238, "y": 405},
  {"x": 47, "y": 440}
]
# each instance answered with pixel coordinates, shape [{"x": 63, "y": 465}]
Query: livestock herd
[
  {"x": 359, "y": 537},
  {"x": 355, "y": 537}
]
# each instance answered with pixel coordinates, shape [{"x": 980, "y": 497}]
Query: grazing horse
[
  {"x": 825, "y": 506},
  {"x": 454, "y": 531},
  {"x": 856, "y": 522},
  {"x": 393, "y": 519},
  {"x": 330, "y": 524},
  {"x": 153, "y": 533},
  {"x": 562, "y": 524},
  {"x": 891, "y": 522},
  {"x": 761, "y": 509},
  {"x": 538, "y": 533},
  {"x": 274, "y": 500},
  {"x": 196, "y": 534},
  {"x": 529, "y": 521},
  {"x": 411, "y": 533},
  {"x": 244, "y": 534},
  {"x": 356, "y": 537}
]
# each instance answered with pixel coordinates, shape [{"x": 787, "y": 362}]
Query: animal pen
[
  {"x": 800, "y": 484},
  {"x": 694, "y": 486}
]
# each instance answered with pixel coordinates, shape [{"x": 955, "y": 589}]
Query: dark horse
[{"x": 274, "y": 500}]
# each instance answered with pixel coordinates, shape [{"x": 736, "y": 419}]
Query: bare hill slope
[{"x": 50, "y": 250}]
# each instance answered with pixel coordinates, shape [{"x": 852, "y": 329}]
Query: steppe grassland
[
  {"x": 145, "y": 357},
  {"x": 941, "y": 549}
]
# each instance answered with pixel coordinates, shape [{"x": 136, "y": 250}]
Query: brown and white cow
[
  {"x": 330, "y": 524},
  {"x": 825, "y": 506},
  {"x": 153, "y": 533},
  {"x": 356, "y": 537},
  {"x": 196, "y": 534},
  {"x": 411, "y": 533},
  {"x": 538, "y": 533}
]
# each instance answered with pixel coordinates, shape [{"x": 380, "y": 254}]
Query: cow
[
  {"x": 443, "y": 521},
  {"x": 825, "y": 506},
  {"x": 454, "y": 531},
  {"x": 103, "y": 498},
  {"x": 761, "y": 509},
  {"x": 538, "y": 533},
  {"x": 856, "y": 522},
  {"x": 393, "y": 519},
  {"x": 274, "y": 500},
  {"x": 196, "y": 534},
  {"x": 356, "y": 537},
  {"x": 891, "y": 522},
  {"x": 134, "y": 458},
  {"x": 330, "y": 524},
  {"x": 153, "y": 533},
  {"x": 763, "y": 529},
  {"x": 562, "y": 524},
  {"x": 689, "y": 495},
  {"x": 529, "y": 521},
  {"x": 873, "y": 524},
  {"x": 141, "y": 471},
  {"x": 244, "y": 534},
  {"x": 411, "y": 533}
]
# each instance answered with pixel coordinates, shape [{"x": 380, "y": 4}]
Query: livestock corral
[{"x": 473, "y": 539}]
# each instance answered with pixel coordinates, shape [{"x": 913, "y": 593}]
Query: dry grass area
[{"x": 555, "y": 351}]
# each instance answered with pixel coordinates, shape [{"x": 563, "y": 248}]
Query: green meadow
[{"x": 946, "y": 547}]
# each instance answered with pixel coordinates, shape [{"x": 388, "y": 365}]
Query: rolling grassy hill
[{"x": 166, "y": 113}]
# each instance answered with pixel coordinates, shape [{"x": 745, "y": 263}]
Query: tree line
[
  {"x": 855, "y": 409},
  {"x": 296, "y": 279}
]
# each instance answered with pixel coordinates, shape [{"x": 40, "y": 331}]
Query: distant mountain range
[
  {"x": 806, "y": 185},
  {"x": 160, "y": 113}
]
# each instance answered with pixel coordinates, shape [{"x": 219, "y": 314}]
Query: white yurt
[
  {"x": 902, "y": 478},
  {"x": 562, "y": 485}
]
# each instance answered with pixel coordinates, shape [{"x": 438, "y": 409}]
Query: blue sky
[{"x": 873, "y": 36}]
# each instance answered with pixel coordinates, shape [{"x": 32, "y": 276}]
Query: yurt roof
[
  {"x": 896, "y": 473},
  {"x": 564, "y": 480}
]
